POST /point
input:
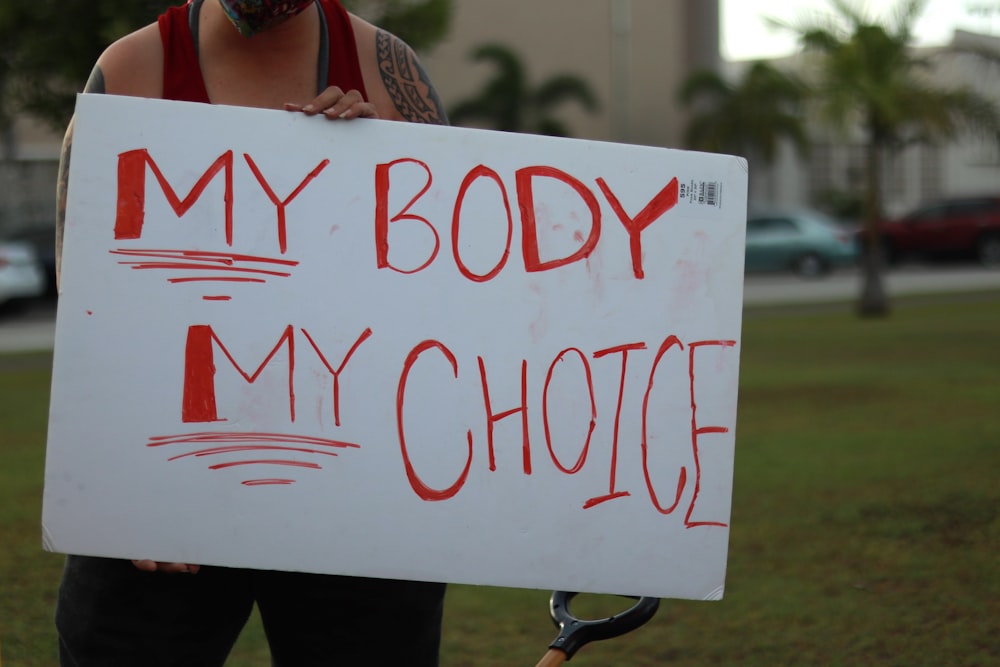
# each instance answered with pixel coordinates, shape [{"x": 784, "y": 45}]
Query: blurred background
[
  {"x": 866, "y": 512},
  {"x": 860, "y": 113}
]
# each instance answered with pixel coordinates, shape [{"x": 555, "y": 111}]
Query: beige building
[
  {"x": 28, "y": 170},
  {"x": 633, "y": 53}
]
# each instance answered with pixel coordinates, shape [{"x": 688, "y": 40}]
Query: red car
[{"x": 962, "y": 227}]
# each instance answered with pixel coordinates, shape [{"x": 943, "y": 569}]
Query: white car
[{"x": 21, "y": 273}]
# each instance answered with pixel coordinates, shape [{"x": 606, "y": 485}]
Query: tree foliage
[
  {"x": 749, "y": 117},
  {"x": 48, "y": 47},
  {"x": 509, "y": 102},
  {"x": 868, "y": 76}
]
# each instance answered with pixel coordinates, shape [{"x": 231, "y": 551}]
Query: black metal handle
[{"x": 575, "y": 632}]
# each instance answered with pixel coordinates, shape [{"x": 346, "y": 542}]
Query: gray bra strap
[
  {"x": 193, "y": 14},
  {"x": 323, "y": 66}
]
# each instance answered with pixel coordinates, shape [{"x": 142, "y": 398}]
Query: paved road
[
  {"x": 34, "y": 329},
  {"x": 766, "y": 290}
]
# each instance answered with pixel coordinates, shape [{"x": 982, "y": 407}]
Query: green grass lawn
[{"x": 865, "y": 523}]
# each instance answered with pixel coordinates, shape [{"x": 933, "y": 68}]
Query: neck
[{"x": 287, "y": 35}]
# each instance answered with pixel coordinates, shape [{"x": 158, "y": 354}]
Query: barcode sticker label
[{"x": 702, "y": 193}]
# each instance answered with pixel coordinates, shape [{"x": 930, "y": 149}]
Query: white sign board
[{"x": 383, "y": 349}]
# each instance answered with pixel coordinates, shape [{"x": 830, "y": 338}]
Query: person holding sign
[{"x": 303, "y": 56}]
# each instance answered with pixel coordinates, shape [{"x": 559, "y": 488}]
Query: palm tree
[
  {"x": 750, "y": 117},
  {"x": 508, "y": 102},
  {"x": 869, "y": 77}
]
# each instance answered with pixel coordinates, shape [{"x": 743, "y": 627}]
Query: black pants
[{"x": 110, "y": 614}]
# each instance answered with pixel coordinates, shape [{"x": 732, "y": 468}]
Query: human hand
[
  {"x": 169, "y": 568},
  {"x": 334, "y": 103}
]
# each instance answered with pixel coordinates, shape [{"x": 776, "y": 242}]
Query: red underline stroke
[
  {"x": 249, "y": 448},
  {"x": 273, "y": 462},
  {"x": 246, "y": 437},
  {"x": 200, "y": 267},
  {"x": 207, "y": 256}
]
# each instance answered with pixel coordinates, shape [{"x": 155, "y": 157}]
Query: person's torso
[{"x": 334, "y": 62}]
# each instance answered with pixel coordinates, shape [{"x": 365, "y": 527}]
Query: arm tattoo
[
  {"x": 407, "y": 82},
  {"x": 62, "y": 183},
  {"x": 95, "y": 84}
]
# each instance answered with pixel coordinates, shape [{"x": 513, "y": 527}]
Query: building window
[
  {"x": 893, "y": 176},
  {"x": 820, "y": 171},
  {"x": 987, "y": 153},
  {"x": 930, "y": 172}
]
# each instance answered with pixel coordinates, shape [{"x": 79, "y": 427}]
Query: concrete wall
[
  {"x": 27, "y": 194},
  {"x": 28, "y": 176},
  {"x": 634, "y": 54}
]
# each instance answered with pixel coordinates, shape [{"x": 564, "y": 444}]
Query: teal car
[{"x": 804, "y": 242}]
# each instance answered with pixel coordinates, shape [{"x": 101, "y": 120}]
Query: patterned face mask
[{"x": 253, "y": 16}]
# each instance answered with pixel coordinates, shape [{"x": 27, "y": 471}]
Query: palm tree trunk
[
  {"x": 874, "y": 302},
  {"x": 8, "y": 140}
]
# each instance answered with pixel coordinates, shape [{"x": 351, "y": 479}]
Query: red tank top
[{"x": 182, "y": 78}]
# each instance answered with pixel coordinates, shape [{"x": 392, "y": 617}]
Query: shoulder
[
  {"x": 133, "y": 65},
  {"x": 397, "y": 83}
]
